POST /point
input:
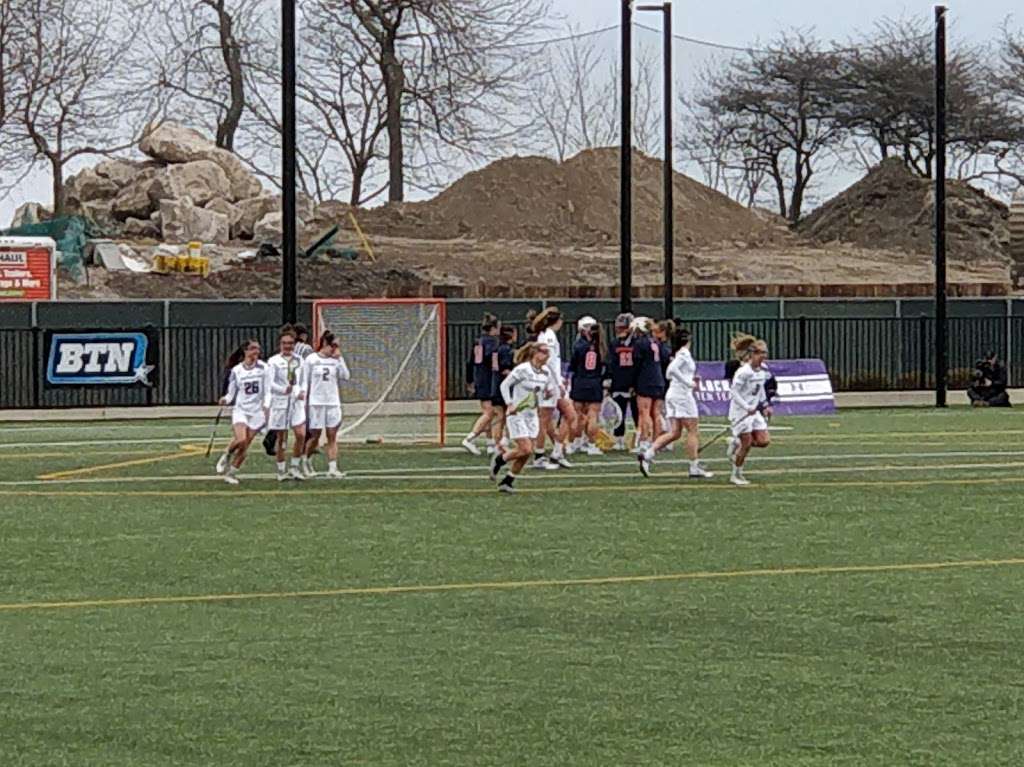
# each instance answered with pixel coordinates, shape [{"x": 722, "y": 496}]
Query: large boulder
[
  {"x": 141, "y": 228},
  {"x": 201, "y": 181},
  {"x": 99, "y": 211},
  {"x": 270, "y": 228},
  {"x": 121, "y": 172},
  {"x": 221, "y": 205},
  {"x": 182, "y": 221},
  {"x": 173, "y": 143},
  {"x": 30, "y": 213},
  {"x": 252, "y": 210},
  {"x": 87, "y": 185},
  {"x": 135, "y": 200}
]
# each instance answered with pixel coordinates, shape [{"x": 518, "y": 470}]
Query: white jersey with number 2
[{"x": 321, "y": 377}]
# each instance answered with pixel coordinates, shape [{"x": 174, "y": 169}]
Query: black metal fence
[{"x": 876, "y": 354}]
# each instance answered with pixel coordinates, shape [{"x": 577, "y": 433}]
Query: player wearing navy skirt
[
  {"x": 650, "y": 381},
  {"x": 481, "y": 370},
  {"x": 587, "y": 385},
  {"x": 621, "y": 374},
  {"x": 506, "y": 361}
]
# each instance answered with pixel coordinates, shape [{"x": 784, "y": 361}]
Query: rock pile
[{"x": 189, "y": 189}]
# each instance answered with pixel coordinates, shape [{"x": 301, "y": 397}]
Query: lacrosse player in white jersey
[
  {"x": 546, "y": 325},
  {"x": 322, "y": 374},
  {"x": 680, "y": 408},
  {"x": 529, "y": 384},
  {"x": 749, "y": 409},
  {"x": 286, "y": 401},
  {"x": 247, "y": 385}
]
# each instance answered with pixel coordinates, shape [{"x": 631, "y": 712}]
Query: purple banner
[{"x": 804, "y": 388}]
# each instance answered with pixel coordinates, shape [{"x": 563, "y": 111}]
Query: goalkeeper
[{"x": 527, "y": 384}]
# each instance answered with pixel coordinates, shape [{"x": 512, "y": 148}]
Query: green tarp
[{"x": 69, "y": 233}]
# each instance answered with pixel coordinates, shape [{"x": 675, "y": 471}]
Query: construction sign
[{"x": 28, "y": 269}]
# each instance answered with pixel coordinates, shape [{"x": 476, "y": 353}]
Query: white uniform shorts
[
  {"x": 254, "y": 421},
  {"x": 324, "y": 416},
  {"x": 525, "y": 425},
  {"x": 682, "y": 407},
  {"x": 279, "y": 417},
  {"x": 755, "y": 422}
]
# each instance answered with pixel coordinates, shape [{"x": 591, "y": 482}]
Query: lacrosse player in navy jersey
[
  {"x": 650, "y": 381},
  {"x": 506, "y": 361},
  {"x": 622, "y": 375},
  {"x": 587, "y": 384},
  {"x": 481, "y": 369}
]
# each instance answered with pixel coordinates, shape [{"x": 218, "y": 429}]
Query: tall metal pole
[
  {"x": 626, "y": 163},
  {"x": 289, "y": 283},
  {"x": 940, "y": 207},
  {"x": 669, "y": 202}
]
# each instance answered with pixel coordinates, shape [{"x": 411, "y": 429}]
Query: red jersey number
[
  {"x": 590, "y": 361},
  {"x": 625, "y": 358},
  {"x": 656, "y": 348},
  {"x": 478, "y": 354}
]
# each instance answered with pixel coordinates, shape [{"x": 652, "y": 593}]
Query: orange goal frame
[{"x": 442, "y": 337}]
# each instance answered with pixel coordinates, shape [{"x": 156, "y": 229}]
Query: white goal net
[{"x": 395, "y": 350}]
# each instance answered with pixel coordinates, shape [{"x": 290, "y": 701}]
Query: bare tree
[
  {"x": 447, "y": 66},
  {"x": 201, "y": 50},
  {"x": 775, "y": 116},
  {"x": 77, "y": 97}
]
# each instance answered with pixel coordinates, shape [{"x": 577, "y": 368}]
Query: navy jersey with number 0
[{"x": 588, "y": 370}]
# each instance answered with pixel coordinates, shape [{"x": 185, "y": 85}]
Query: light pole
[
  {"x": 626, "y": 163},
  {"x": 289, "y": 283}
]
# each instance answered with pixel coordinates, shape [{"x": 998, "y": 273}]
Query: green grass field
[{"x": 858, "y": 605}]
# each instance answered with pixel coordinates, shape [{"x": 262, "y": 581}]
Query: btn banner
[
  {"x": 101, "y": 358},
  {"x": 804, "y": 388}
]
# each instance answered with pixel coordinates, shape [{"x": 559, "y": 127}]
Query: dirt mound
[
  {"x": 893, "y": 208},
  {"x": 536, "y": 199}
]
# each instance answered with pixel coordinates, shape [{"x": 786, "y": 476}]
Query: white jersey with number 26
[
  {"x": 247, "y": 386},
  {"x": 322, "y": 376}
]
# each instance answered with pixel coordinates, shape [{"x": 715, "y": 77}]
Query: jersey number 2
[{"x": 251, "y": 387}]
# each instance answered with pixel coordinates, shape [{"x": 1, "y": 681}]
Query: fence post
[
  {"x": 922, "y": 341},
  {"x": 36, "y": 369},
  {"x": 803, "y": 338}
]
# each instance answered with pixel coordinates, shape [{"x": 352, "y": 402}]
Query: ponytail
[
  {"x": 327, "y": 339},
  {"x": 546, "y": 319},
  {"x": 742, "y": 344},
  {"x": 680, "y": 339},
  {"x": 239, "y": 354},
  {"x": 506, "y": 334},
  {"x": 489, "y": 322},
  {"x": 525, "y": 352}
]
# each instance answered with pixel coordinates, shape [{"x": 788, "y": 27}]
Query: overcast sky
[{"x": 732, "y": 22}]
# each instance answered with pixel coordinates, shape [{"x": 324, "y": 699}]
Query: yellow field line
[
  {"x": 613, "y": 580},
  {"x": 69, "y": 454},
  {"x": 572, "y": 489},
  {"x": 182, "y": 453}
]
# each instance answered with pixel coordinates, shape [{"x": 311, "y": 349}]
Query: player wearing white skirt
[
  {"x": 286, "y": 401},
  {"x": 680, "y": 408},
  {"x": 523, "y": 389},
  {"x": 546, "y": 325},
  {"x": 749, "y": 410},
  {"x": 247, "y": 386},
  {"x": 322, "y": 374}
]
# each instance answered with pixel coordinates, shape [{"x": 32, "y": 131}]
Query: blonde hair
[
  {"x": 546, "y": 319},
  {"x": 641, "y": 325},
  {"x": 525, "y": 352},
  {"x": 668, "y": 328},
  {"x": 743, "y": 344}
]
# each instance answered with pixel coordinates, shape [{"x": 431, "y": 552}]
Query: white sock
[
  {"x": 694, "y": 464},
  {"x": 556, "y": 451},
  {"x": 470, "y": 437},
  {"x": 648, "y": 454},
  {"x": 281, "y": 466},
  {"x": 332, "y": 466},
  {"x": 490, "y": 443},
  {"x": 295, "y": 462},
  {"x": 232, "y": 470}
]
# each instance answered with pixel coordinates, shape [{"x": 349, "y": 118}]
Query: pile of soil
[
  {"x": 892, "y": 208},
  {"x": 536, "y": 199}
]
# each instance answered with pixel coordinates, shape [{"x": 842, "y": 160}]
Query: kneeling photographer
[{"x": 988, "y": 387}]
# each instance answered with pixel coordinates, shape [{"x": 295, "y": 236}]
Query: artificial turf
[{"x": 799, "y": 621}]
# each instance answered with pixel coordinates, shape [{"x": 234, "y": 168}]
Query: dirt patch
[{"x": 892, "y": 208}]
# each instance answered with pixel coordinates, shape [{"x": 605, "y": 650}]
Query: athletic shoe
[
  {"x": 282, "y": 476},
  {"x": 470, "y": 447},
  {"x": 560, "y": 461},
  {"x": 699, "y": 472},
  {"x": 503, "y": 488},
  {"x": 335, "y": 474},
  {"x": 645, "y": 465},
  {"x": 594, "y": 450},
  {"x": 231, "y": 479},
  {"x": 494, "y": 466},
  {"x": 222, "y": 463},
  {"x": 641, "y": 448},
  {"x": 739, "y": 479},
  {"x": 542, "y": 463},
  {"x": 296, "y": 473},
  {"x": 491, "y": 450},
  {"x": 309, "y": 471}
]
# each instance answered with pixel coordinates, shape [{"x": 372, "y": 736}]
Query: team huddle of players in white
[{"x": 524, "y": 397}]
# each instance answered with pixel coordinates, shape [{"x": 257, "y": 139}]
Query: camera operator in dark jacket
[{"x": 988, "y": 389}]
